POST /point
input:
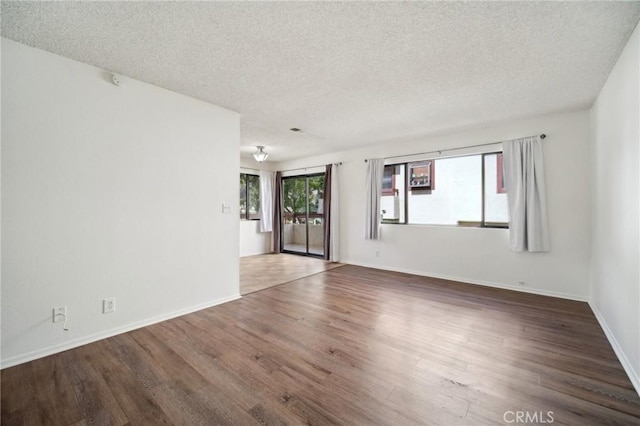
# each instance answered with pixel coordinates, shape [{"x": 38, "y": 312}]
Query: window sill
[{"x": 475, "y": 225}]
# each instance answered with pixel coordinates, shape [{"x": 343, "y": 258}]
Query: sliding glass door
[{"x": 303, "y": 215}]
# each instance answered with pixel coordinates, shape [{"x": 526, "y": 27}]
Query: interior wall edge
[{"x": 634, "y": 375}]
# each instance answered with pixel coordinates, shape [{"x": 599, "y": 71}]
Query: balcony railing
[{"x": 301, "y": 218}]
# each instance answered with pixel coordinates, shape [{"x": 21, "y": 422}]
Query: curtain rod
[
  {"x": 310, "y": 167},
  {"x": 440, "y": 151}
]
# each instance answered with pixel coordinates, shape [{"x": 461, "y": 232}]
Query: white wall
[
  {"x": 252, "y": 241},
  {"x": 615, "y": 270},
  {"x": 108, "y": 192},
  {"x": 481, "y": 255}
]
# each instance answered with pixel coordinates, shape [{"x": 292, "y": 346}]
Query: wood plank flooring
[
  {"x": 352, "y": 346},
  {"x": 268, "y": 270}
]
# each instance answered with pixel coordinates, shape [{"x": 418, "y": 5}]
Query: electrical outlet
[
  {"x": 59, "y": 313},
  {"x": 109, "y": 305},
  {"x": 520, "y": 282}
]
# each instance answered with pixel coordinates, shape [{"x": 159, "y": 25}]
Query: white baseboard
[
  {"x": 540, "y": 292},
  {"x": 634, "y": 376},
  {"x": 40, "y": 353}
]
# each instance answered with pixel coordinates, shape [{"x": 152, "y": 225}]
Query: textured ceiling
[{"x": 348, "y": 74}]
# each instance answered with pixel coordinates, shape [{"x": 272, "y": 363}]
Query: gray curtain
[
  {"x": 334, "y": 250},
  {"x": 373, "y": 192},
  {"x": 328, "y": 219},
  {"x": 277, "y": 214},
  {"x": 526, "y": 194}
]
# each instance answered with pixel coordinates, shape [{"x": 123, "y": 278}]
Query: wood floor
[
  {"x": 348, "y": 346},
  {"x": 268, "y": 270}
]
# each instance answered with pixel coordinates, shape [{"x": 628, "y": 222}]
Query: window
[
  {"x": 249, "y": 196},
  {"x": 457, "y": 200},
  {"x": 496, "y": 208},
  {"x": 393, "y": 194},
  {"x": 469, "y": 192}
]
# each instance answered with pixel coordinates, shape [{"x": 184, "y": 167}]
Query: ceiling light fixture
[{"x": 260, "y": 155}]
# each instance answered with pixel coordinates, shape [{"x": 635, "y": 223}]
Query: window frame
[
  {"x": 247, "y": 214},
  {"x": 482, "y": 224}
]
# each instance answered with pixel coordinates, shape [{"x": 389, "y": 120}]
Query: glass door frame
[{"x": 306, "y": 178}]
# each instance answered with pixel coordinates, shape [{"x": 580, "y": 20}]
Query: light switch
[{"x": 226, "y": 208}]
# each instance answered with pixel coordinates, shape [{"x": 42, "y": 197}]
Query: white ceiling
[{"x": 350, "y": 73}]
